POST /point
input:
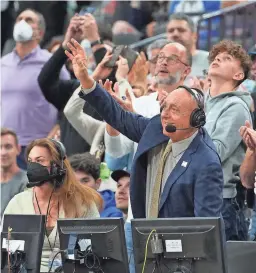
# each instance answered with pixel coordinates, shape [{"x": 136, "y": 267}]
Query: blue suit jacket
[{"x": 194, "y": 190}]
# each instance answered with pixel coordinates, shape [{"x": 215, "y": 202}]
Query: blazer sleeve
[
  {"x": 129, "y": 124},
  {"x": 208, "y": 192},
  {"x": 84, "y": 124}
]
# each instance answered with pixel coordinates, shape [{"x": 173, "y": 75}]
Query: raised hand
[
  {"x": 125, "y": 102},
  {"x": 101, "y": 71},
  {"x": 249, "y": 136},
  {"x": 162, "y": 94},
  {"x": 78, "y": 58},
  {"x": 201, "y": 84},
  {"x": 90, "y": 28},
  {"x": 122, "y": 68},
  {"x": 74, "y": 30}
]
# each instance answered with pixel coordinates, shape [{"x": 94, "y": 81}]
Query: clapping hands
[{"x": 249, "y": 136}]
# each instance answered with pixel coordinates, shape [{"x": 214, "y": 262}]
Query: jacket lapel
[
  {"x": 152, "y": 137},
  {"x": 179, "y": 169}
]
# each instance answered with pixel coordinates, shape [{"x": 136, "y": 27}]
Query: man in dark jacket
[{"x": 58, "y": 91}]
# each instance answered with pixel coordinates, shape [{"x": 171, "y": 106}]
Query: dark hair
[
  {"x": 6, "y": 131},
  {"x": 234, "y": 50},
  {"x": 183, "y": 17},
  {"x": 86, "y": 163}
]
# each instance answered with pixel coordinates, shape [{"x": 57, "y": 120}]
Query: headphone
[
  {"x": 197, "y": 117},
  {"x": 56, "y": 171}
]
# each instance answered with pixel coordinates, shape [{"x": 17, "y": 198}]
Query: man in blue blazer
[{"x": 191, "y": 177}]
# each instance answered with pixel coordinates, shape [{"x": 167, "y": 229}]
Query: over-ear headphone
[
  {"x": 58, "y": 171},
  {"x": 197, "y": 117}
]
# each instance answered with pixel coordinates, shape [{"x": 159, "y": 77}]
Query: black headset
[
  {"x": 197, "y": 117},
  {"x": 58, "y": 171}
]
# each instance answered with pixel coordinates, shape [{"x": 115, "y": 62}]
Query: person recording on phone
[
  {"x": 58, "y": 92},
  {"x": 176, "y": 160},
  {"x": 54, "y": 192}
]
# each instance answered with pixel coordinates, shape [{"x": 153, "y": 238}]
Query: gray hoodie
[{"x": 225, "y": 114}]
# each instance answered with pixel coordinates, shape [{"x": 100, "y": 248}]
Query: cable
[
  {"x": 54, "y": 259},
  {"x": 47, "y": 215},
  {"x": 90, "y": 259},
  {"x": 146, "y": 250}
]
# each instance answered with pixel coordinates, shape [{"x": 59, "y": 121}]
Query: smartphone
[
  {"x": 130, "y": 55},
  {"x": 115, "y": 55},
  {"x": 84, "y": 11}
]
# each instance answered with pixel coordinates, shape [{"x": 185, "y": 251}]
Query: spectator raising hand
[
  {"x": 91, "y": 30},
  {"x": 125, "y": 101},
  {"x": 101, "y": 71},
  {"x": 138, "y": 75},
  {"x": 75, "y": 30},
  {"x": 79, "y": 60},
  {"x": 249, "y": 136},
  {"x": 247, "y": 170},
  {"x": 122, "y": 69}
]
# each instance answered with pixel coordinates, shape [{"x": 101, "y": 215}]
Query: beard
[{"x": 172, "y": 79}]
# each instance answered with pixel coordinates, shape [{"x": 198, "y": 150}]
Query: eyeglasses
[
  {"x": 173, "y": 59},
  {"x": 153, "y": 60}
]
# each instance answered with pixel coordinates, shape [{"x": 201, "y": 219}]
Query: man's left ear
[
  {"x": 238, "y": 76},
  {"x": 187, "y": 71}
]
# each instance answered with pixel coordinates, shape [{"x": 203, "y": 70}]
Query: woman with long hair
[{"x": 53, "y": 191}]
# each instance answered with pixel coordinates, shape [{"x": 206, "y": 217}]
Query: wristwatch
[{"x": 97, "y": 42}]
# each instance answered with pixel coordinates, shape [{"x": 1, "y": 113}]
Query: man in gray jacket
[{"x": 226, "y": 111}]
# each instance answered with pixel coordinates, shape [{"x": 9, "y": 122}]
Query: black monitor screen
[
  {"x": 27, "y": 228},
  {"x": 179, "y": 245},
  {"x": 96, "y": 243}
]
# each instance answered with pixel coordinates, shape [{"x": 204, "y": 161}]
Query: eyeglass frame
[{"x": 173, "y": 57}]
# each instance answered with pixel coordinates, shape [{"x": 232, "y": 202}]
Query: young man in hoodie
[
  {"x": 227, "y": 109},
  {"x": 87, "y": 171}
]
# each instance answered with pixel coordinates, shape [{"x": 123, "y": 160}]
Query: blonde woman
[{"x": 54, "y": 192}]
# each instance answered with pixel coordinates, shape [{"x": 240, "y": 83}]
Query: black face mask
[{"x": 37, "y": 174}]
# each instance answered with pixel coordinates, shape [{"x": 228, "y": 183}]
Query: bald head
[
  {"x": 183, "y": 99},
  {"x": 176, "y": 111},
  {"x": 173, "y": 66},
  {"x": 181, "y": 50}
]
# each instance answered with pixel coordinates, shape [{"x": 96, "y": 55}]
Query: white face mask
[{"x": 22, "y": 32}]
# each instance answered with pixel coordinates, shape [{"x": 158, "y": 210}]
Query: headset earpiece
[
  {"x": 58, "y": 172},
  {"x": 197, "y": 117}
]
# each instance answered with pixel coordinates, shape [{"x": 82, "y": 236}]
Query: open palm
[{"x": 79, "y": 59}]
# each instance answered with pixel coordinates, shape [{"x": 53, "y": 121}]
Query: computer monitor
[
  {"x": 179, "y": 245},
  {"x": 241, "y": 257},
  {"x": 93, "y": 245},
  {"x": 27, "y": 234}
]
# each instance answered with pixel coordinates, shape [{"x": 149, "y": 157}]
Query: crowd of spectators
[{"x": 169, "y": 134}]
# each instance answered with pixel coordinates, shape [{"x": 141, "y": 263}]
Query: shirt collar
[
  {"x": 33, "y": 52},
  {"x": 180, "y": 146}
]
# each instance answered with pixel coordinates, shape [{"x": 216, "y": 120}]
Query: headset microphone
[{"x": 169, "y": 128}]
